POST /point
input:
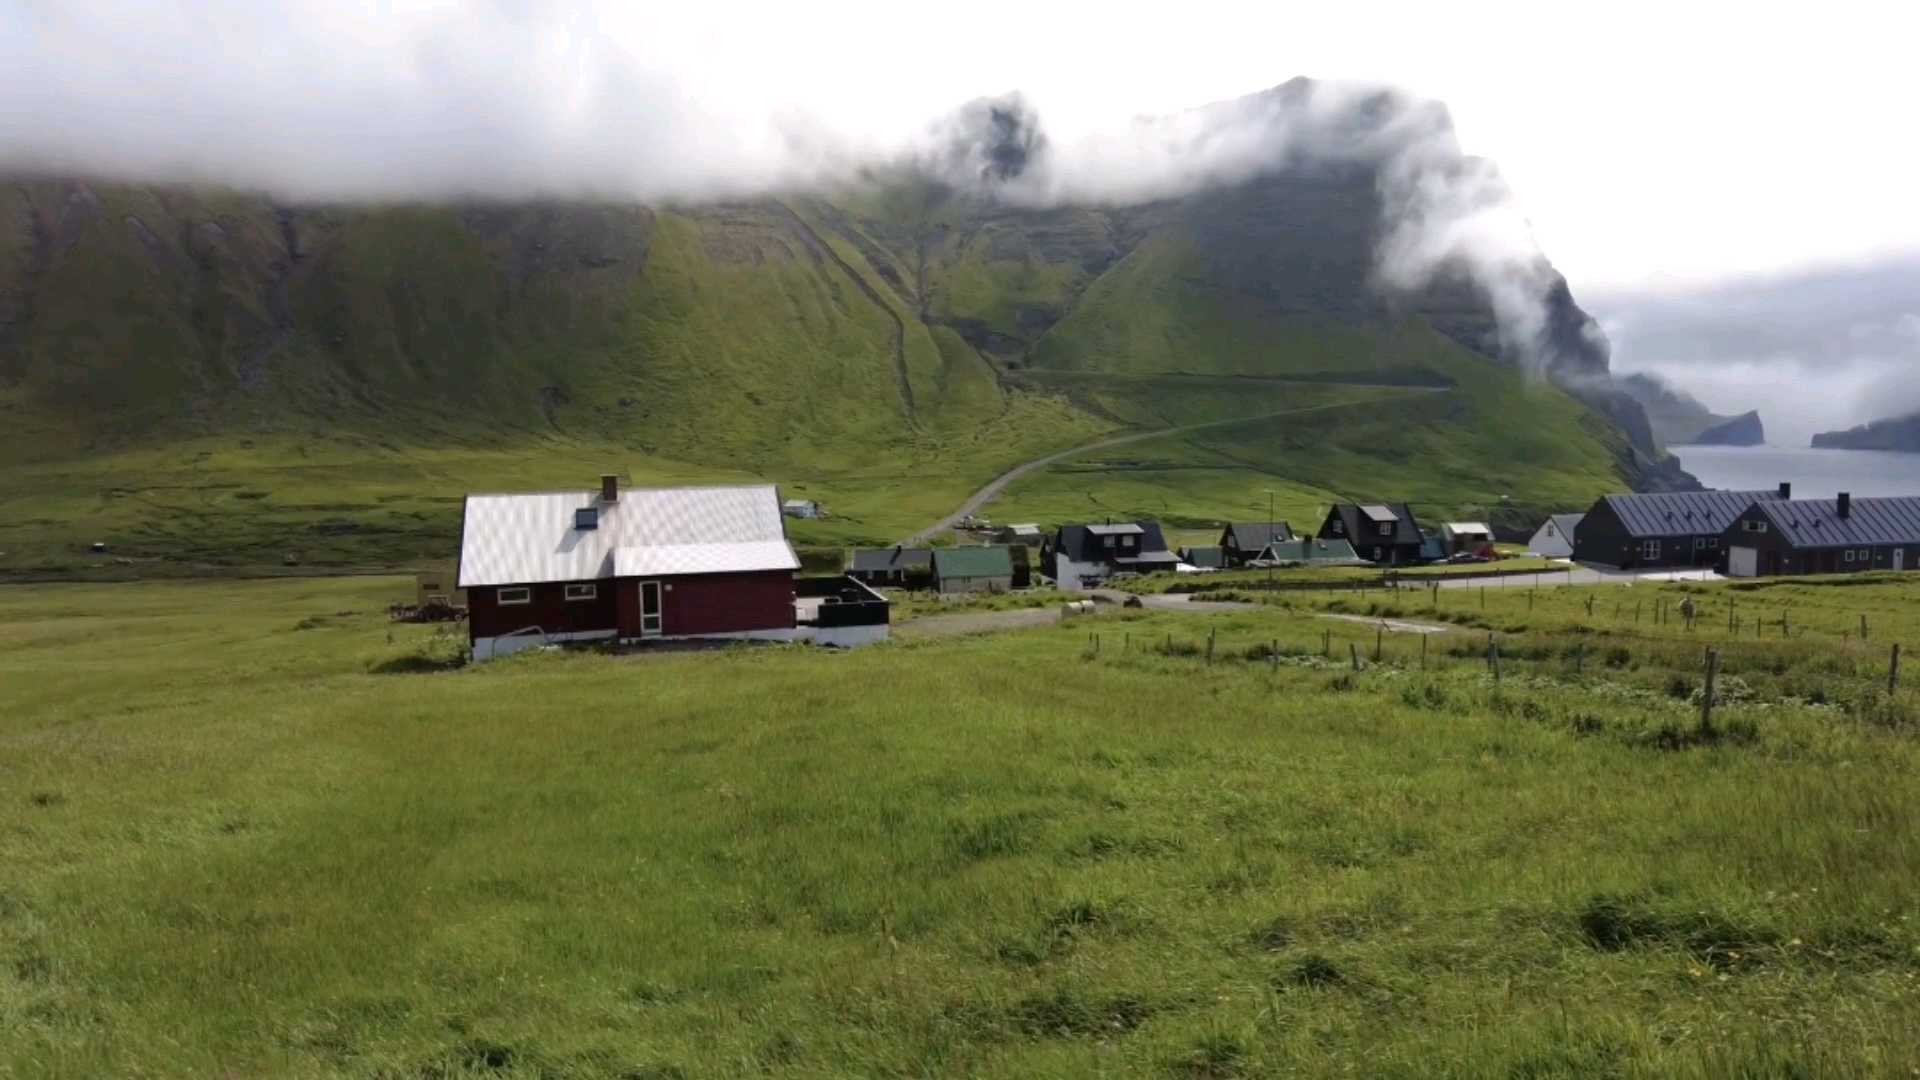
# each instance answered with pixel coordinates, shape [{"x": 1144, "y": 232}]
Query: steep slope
[
  {"x": 1742, "y": 430},
  {"x": 1895, "y": 433},
  {"x": 1676, "y": 416},
  {"x": 219, "y": 379}
]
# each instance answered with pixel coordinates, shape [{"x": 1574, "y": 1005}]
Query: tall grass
[{"x": 234, "y": 845}]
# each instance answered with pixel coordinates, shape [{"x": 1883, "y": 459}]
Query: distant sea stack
[
  {"x": 1898, "y": 433},
  {"x": 1742, "y": 430}
]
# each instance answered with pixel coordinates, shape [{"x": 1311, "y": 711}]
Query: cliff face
[
  {"x": 1676, "y": 417},
  {"x": 1897, "y": 433},
  {"x": 1742, "y": 430}
]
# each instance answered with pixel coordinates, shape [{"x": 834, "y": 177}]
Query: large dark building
[
  {"x": 1666, "y": 529},
  {"x": 1824, "y": 536},
  {"x": 1384, "y": 533}
]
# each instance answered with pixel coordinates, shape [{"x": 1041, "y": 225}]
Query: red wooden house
[{"x": 672, "y": 563}]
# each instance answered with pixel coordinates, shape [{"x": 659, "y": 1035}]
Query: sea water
[{"x": 1814, "y": 474}]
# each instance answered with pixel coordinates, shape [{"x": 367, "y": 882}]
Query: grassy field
[{"x": 249, "y": 828}]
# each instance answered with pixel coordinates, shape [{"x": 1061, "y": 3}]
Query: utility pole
[{"x": 1269, "y": 552}]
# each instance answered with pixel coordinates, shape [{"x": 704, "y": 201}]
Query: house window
[
  {"x": 1339, "y": 527},
  {"x": 1754, "y": 526},
  {"x": 1106, "y": 541},
  {"x": 517, "y": 595},
  {"x": 1849, "y": 554},
  {"x": 1699, "y": 543},
  {"x": 1650, "y": 550},
  {"x": 1713, "y": 543},
  {"x": 582, "y": 592},
  {"x": 1866, "y": 554}
]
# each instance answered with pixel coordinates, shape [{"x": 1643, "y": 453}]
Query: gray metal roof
[
  {"x": 530, "y": 538},
  {"x": 1811, "y": 523},
  {"x": 1683, "y": 513},
  {"x": 1254, "y": 535},
  {"x": 891, "y": 558},
  {"x": 1565, "y": 524},
  {"x": 1377, "y": 513},
  {"x": 1123, "y": 529}
]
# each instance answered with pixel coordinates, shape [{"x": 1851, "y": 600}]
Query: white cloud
[{"x": 1650, "y": 145}]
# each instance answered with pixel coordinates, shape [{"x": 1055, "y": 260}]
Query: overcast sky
[{"x": 1654, "y": 148}]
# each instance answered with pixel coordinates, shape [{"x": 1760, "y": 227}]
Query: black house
[
  {"x": 1079, "y": 556},
  {"x": 1665, "y": 529},
  {"x": 1244, "y": 540},
  {"x": 1824, "y": 536},
  {"x": 1384, "y": 533},
  {"x": 899, "y": 567}
]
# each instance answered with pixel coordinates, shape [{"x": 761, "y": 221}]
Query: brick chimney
[
  {"x": 609, "y": 488},
  {"x": 1846, "y": 506},
  {"x": 1786, "y": 490}
]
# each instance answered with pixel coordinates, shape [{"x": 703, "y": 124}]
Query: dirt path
[
  {"x": 999, "y": 483},
  {"x": 976, "y": 622},
  {"x": 1394, "y": 626}
]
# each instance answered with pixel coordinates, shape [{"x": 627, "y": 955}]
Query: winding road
[{"x": 999, "y": 483}]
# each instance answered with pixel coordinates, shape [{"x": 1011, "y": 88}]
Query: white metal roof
[
  {"x": 1378, "y": 513},
  {"x": 1458, "y": 527},
  {"x": 530, "y": 538},
  {"x": 1128, "y": 529}
]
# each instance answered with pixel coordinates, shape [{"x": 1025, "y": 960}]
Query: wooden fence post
[
  {"x": 1354, "y": 651},
  {"x": 1589, "y": 602},
  {"x": 1495, "y": 647},
  {"x": 1379, "y": 636},
  {"x": 1273, "y": 655},
  {"x": 1863, "y": 623},
  {"x": 1893, "y": 670},
  {"x": 1423, "y": 652},
  {"x": 1706, "y": 698}
]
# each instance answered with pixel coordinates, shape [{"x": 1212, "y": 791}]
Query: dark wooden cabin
[
  {"x": 1824, "y": 536},
  {"x": 1383, "y": 533},
  {"x": 1680, "y": 529},
  {"x": 1243, "y": 541}
]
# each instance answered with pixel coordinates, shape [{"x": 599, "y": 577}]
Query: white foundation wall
[{"x": 845, "y": 637}]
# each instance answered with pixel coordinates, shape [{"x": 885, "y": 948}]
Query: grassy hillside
[
  {"x": 244, "y": 833},
  {"x": 210, "y": 382}
]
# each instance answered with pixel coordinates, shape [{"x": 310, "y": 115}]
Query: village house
[
  {"x": 973, "y": 569},
  {"x": 650, "y": 563},
  {"x": 1025, "y": 533},
  {"x": 1471, "y": 537},
  {"x": 1243, "y": 541},
  {"x": 1081, "y": 556},
  {"x": 1663, "y": 529},
  {"x": 800, "y": 508},
  {"x": 1554, "y": 538},
  {"x": 1307, "y": 551},
  {"x": 1824, "y": 536},
  {"x": 1383, "y": 533},
  {"x": 895, "y": 567},
  {"x": 1204, "y": 558}
]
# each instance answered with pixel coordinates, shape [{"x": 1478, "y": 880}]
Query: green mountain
[{"x": 210, "y": 379}]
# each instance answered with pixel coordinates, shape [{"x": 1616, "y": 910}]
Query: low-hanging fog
[
  {"x": 1647, "y": 173},
  {"x": 1815, "y": 351}
]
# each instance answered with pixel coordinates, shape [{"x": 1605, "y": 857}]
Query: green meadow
[{"x": 252, "y": 828}]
